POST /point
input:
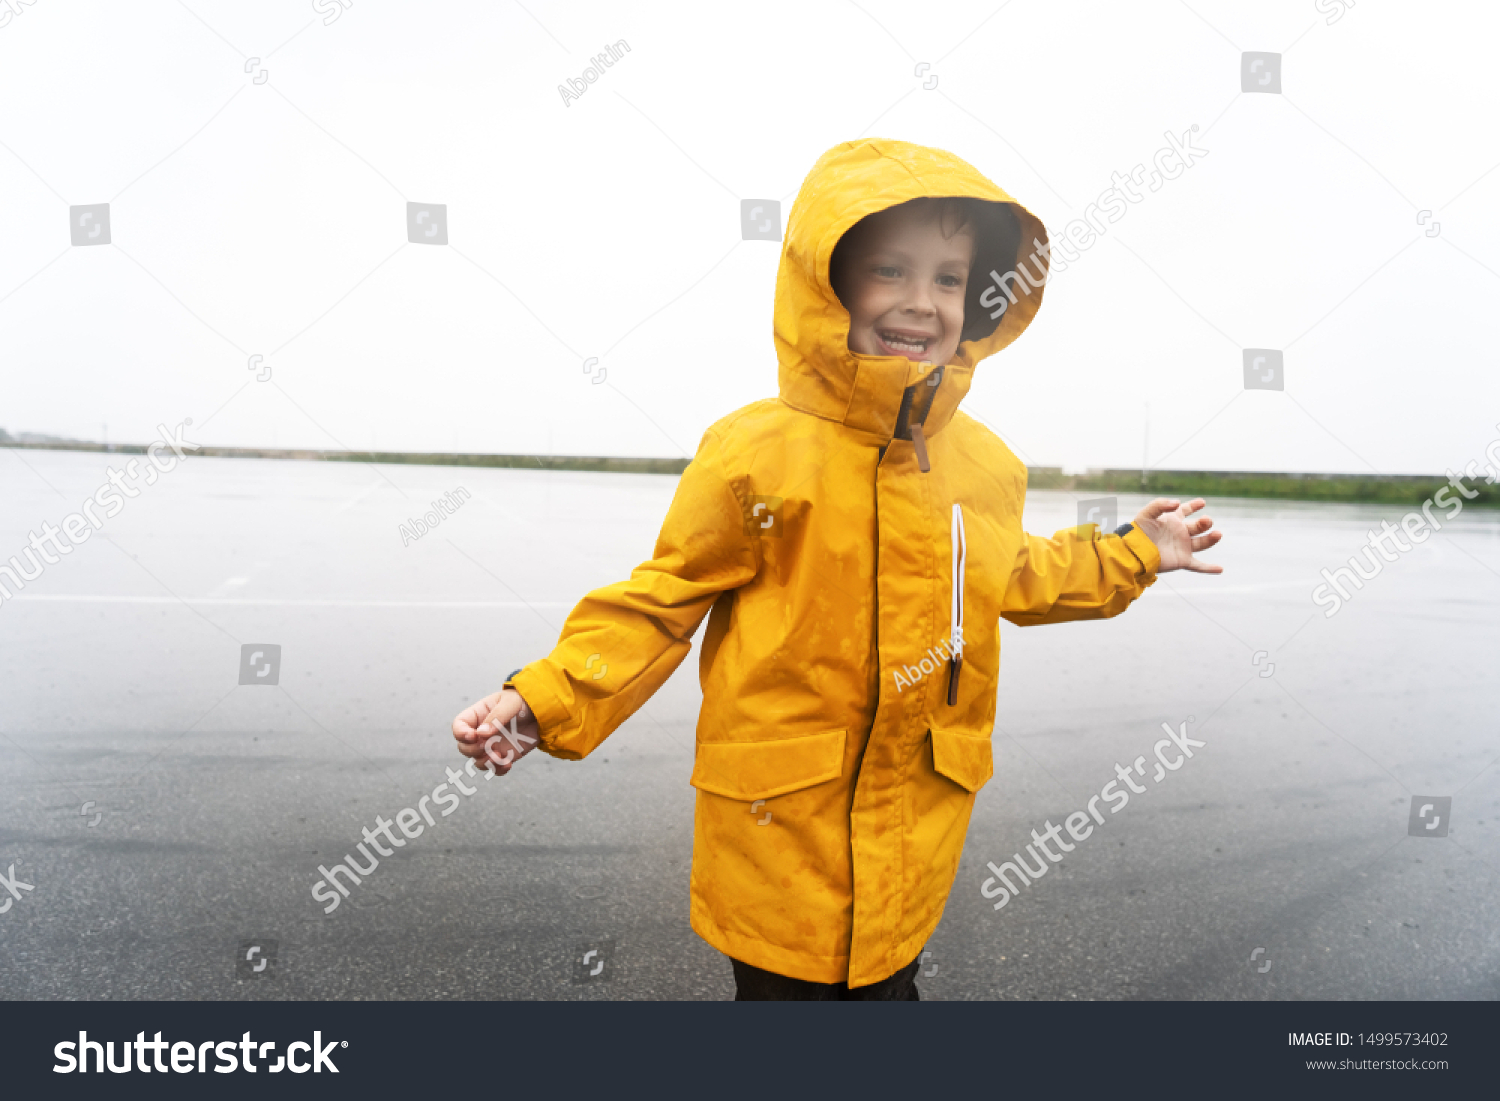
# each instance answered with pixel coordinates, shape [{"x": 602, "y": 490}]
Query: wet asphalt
[{"x": 169, "y": 819}]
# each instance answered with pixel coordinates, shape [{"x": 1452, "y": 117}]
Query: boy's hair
[{"x": 996, "y": 233}]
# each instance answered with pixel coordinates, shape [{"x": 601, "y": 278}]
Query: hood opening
[{"x": 997, "y": 237}]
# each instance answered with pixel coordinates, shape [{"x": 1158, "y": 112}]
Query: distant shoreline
[
  {"x": 1396, "y": 489},
  {"x": 601, "y": 463},
  {"x": 1392, "y": 489}
]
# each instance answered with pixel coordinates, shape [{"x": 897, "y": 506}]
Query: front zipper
[
  {"x": 956, "y": 592},
  {"x": 909, "y": 420}
]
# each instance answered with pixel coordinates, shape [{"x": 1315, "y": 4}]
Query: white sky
[{"x": 269, "y": 219}]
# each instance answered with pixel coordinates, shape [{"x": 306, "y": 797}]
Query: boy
[{"x": 854, "y": 543}]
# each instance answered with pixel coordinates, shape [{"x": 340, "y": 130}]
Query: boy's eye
[
  {"x": 888, "y": 271},
  {"x": 950, "y": 280}
]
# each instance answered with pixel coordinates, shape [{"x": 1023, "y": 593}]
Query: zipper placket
[{"x": 909, "y": 420}]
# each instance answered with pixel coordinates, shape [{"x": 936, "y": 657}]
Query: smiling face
[{"x": 902, "y": 274}]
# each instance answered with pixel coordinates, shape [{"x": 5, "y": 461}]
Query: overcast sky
[{"x": 269, "y": 219}]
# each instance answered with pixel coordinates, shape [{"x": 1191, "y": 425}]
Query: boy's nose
[{"x": 920, "y": 303}]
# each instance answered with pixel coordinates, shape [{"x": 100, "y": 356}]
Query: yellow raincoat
[{"x": 835, "y": 779}]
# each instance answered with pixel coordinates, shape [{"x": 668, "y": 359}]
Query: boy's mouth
[{"x": 903, "y": 342}]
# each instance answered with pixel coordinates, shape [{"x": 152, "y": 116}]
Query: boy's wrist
[
  {"x": 537, "y": 703},
  {"x": 526, "y": 714},
  {"x": 1142, "y": 546}
]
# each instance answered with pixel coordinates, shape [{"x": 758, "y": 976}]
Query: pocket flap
[
  {"x": 759, "y": 770},
  {"x": 966, "y": 760}
]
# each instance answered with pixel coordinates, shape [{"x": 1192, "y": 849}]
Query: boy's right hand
[{"x": 486, "y": 733}]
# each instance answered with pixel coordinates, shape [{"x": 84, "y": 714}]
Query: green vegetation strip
[
  {"x": 525, "y": 462},
  {"x": 1394, "y": 489},
  {"x": 1370, "y": 488}
]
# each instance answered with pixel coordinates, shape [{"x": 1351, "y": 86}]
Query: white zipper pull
[{"x": 956, "y": 590}]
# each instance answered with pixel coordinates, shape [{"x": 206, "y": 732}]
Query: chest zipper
[{"x": 956, "y": 589}]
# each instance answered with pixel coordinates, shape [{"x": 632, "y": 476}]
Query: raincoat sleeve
[
  {"x": 621, "y": 643},
  {"x": 1078, "y": 576}
]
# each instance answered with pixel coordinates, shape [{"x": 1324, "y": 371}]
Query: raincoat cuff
[
  {"x": 1139, "y": 544},
  {"x": 551, "y": 716}
]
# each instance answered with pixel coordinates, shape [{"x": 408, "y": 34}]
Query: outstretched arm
[
  {"x": 621, "y": 643},
  {"x": 1077, "y": 575}
]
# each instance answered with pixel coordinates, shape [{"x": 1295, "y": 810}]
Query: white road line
[{"x": 360, "y": 496}]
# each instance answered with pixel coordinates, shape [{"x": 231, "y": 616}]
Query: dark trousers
[{"x": 752, "y": 984}]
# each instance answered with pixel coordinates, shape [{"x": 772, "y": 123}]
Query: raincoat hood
[{"x": 818, "y": 372}]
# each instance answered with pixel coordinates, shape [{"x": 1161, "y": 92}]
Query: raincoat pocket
[
  {"x": 760, "y": 770},
  {"x": 966, "y": 760}
]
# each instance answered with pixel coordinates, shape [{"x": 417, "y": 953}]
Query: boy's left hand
[
  {"x": 482, "y": 734},
  {"x": 1165, "y": 521}
]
